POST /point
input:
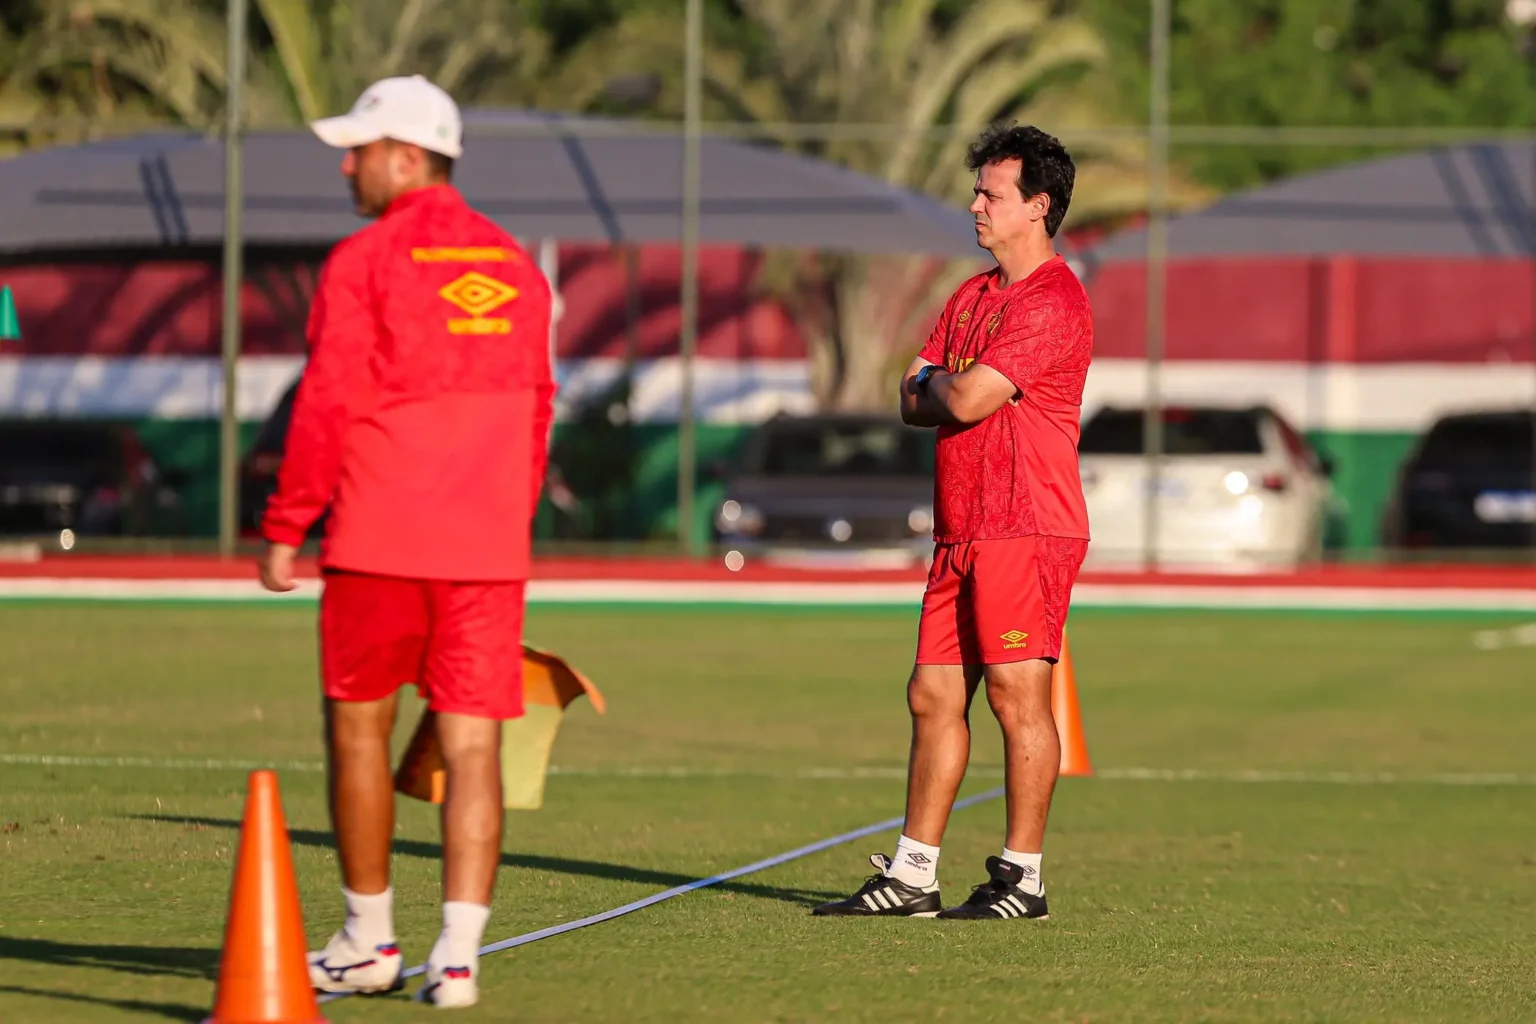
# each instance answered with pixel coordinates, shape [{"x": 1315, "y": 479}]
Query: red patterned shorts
[{"x": 991, "y": 602}]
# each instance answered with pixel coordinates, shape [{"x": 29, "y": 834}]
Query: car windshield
[
  {"x": 1501, "y": 443},
  {"x": 1185, "y": 432},
  {"x": 836, "y": 449},
  {"x": 56, "y": 442},
  {"x": 42, "y": 451}
]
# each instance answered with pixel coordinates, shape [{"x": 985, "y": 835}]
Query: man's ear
[
  {"x": 1039, "y": 205},
  {"x": 410, "y": 162}
]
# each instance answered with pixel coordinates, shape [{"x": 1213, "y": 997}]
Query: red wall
[
  {"x": 174, "y": 309},
  {"x": 1324, "y": 310}
]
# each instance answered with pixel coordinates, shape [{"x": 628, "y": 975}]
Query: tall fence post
[
  {"x": 229, "y": 421},
  {"x": 1157, "y": 277},
  {"x": 687, "y": 445}
]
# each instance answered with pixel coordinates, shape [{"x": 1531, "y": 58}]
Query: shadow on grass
[
  {"x": 538, "y": 862},
  {"x": 172, "y": 1011},
  {"x": 179, "y": 961}
]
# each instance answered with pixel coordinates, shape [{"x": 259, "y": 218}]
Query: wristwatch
[{"x": 921, "y": 380}]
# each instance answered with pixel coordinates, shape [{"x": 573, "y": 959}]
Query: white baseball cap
[{"x": 404, "y": 109}]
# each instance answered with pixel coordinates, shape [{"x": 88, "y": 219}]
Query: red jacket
[{"x": 423, "y": 414}]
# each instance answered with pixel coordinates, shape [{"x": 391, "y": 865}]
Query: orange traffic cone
[
  {"x": 264, "y": 973},
  {"x": 1069, "y": 718}
]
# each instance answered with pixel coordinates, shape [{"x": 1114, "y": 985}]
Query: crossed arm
[{"x": 953, "y": 398}]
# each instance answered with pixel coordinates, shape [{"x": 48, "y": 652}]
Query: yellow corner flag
[{"x": 549, "y": 685}]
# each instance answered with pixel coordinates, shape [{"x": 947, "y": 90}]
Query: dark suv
[
  {"x": 1470, "y": 482},
  {"x": 64, "y": 478},
  {"x": 830, "y": 483}
]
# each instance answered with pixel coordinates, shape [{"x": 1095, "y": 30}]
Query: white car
[{"x": 1238, "y": 489}]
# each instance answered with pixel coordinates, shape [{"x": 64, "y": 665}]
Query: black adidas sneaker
[
  {"x": 1000, "y": 896},
  {"x": 882, "y": 895}
]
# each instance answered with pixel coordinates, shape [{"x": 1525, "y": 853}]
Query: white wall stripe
[
  {"x": 725, "y": 390},
  {"x": 1395, "y": 397}
]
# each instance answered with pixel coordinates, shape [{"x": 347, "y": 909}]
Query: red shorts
[
  {"x": 460, "y": 643},
  {"x": 990, "y": 602}
]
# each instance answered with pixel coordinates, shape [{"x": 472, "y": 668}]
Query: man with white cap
[{"x": 421, "y": 423}]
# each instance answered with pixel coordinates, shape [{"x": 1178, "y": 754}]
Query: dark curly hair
[{"x": 1047, "y": 166}]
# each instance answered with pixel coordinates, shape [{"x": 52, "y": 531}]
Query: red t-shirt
[
  {"x": 1015, "y": 473},
  {"x": 423, "y": 414}
]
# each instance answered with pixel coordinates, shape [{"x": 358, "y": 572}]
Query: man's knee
[
  {"x": 1020, "y": 694},
  {"x": 361, "y": 727},
  {"x": 937, "y": 692},
  {"x": 467, "y": 739}
]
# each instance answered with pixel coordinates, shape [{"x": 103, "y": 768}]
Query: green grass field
[{"x": 1209, "y": 900}]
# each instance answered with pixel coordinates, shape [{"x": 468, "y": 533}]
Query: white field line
[
  {"x": 1514, "y": 636},
  {"x": 907, "y": 594},
  {"x": 891, "y": 772},
  {"x": 174, "y": 764}
]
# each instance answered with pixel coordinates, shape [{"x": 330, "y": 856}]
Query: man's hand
[
  {"x": 276, "y": 568},
  {"x": 916, "y": 409}
]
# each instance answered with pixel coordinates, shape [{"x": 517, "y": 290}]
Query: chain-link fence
[{"x": 1346, "y": 312}]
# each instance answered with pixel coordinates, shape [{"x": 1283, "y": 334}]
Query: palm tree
[
  {"x": 165, "y": 59},
  {"x": 331, "y": 49},
  {"x": 910, "y": 88},
  {"x": 126, "y": 63}
]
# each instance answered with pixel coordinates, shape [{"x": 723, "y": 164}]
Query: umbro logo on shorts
[{"x": 1014, "y": 639}]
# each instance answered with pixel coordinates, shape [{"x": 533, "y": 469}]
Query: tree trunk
[{"x": 878, "y": 311}]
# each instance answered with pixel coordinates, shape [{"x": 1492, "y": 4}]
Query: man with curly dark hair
[{"x": 1001, "y": 378}]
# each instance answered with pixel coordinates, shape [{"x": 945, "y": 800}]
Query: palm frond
[{"x": 297, "y": 33}]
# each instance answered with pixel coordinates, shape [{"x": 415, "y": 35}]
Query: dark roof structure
[
  {"x": 539, "y": 175},
  {"x": 1463, "y": 201}
]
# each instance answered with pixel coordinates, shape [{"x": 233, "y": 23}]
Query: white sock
[
  {"x": 459, "y": 944},
  {"x": 1029, "y": 863},
  {"x": 915, "y": 863},
  {"x": 370, "y": 919}
]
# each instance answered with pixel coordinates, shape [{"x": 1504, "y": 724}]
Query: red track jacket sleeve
[{"x": 335, "y": 385}]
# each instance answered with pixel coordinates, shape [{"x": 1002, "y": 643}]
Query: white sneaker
[
  {"x": 449, "y": 987},
  {"x": 346, "y": 966}
]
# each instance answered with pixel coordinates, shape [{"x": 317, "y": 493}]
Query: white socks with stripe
[
  {"x": 1029, "y": 863},
  {"x": 370, "y": 919},
  {"x": 463, "y": 928},
  {"x": 915, "y": 864}
]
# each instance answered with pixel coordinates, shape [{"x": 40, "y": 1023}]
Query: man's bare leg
[
  {"x": 471, "y": 806},
  {"x": 361, "y": 790},
  {"x": 1020, "y": 696},
  {"x": 471, "y": 853},
  {"x": 939, "y": 698},
  {"x": 362, "y": 957}
]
